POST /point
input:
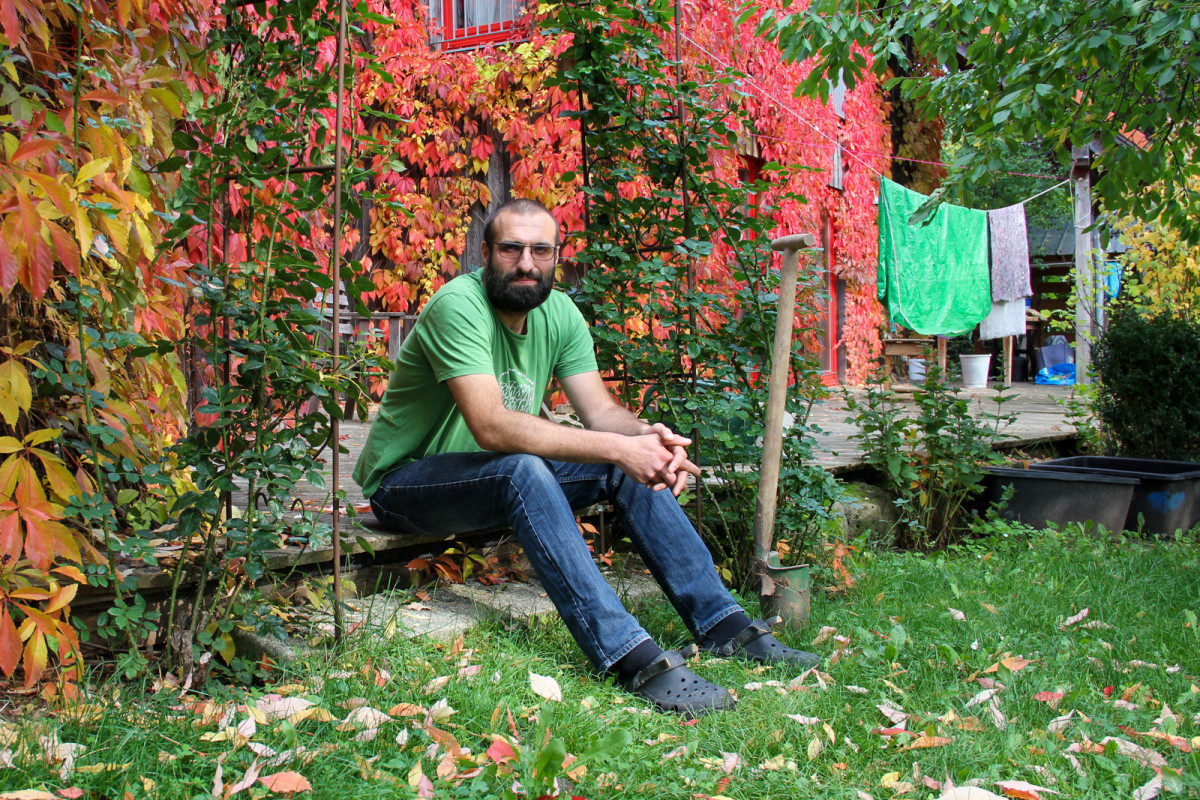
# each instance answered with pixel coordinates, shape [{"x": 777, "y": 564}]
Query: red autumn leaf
[
  {"x": 65, "y": 248},
  {"x": 9, "y": 268},
  {"x": 32, "y": 148},
  {"x": 1050, "y": 698},
  {"x": 501, "y": 751},
  {"x": 10, "y": 21},
  {"x": 71, "y": 793},
  {"x": 113, "y": 99},
  {"x": 889, "y": 731},
  {"x": 11, "y": 540},
  {"x": 10, "y": 643},
  {"x": 286, "y": 782}
]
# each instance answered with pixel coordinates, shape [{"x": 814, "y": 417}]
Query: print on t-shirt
[{"x": 517, "y": 390}]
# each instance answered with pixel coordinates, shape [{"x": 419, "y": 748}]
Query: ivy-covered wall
[{"x": 449, "y": 121}]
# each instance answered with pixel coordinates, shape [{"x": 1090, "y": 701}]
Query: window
[{"x": 464, "y": 24}]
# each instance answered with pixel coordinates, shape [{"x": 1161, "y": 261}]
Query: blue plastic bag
[{"x": 1057, "y": 375}]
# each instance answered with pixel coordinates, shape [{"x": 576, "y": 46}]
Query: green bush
[{"x": 1147, "y": 367}]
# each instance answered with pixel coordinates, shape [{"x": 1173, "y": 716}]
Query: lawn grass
[{"x": 918, "y": 633}]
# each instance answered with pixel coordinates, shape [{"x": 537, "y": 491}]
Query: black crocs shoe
[
  {"x": 671, "y": 686},
  {"x": 757, "y": 643}
]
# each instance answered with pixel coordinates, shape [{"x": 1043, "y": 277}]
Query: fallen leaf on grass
[
  {"x": 406, "y": 710},
  {"x": 1023, "y": 790},
  {"x": 998, "y": 718},
  {"x": 1149, "y": 790},
  {"x": 439, "y": 712},
  {"x": 286, "y": 783},
  {"x": 1058, "y": 723},
  {"x": 273, "y": 708},
  {"x": 824, "y": 634},
  {"x": 545, "y": 686},
  {"x": 929, "y": 741},
  {"x": 1175, "y": 741},
  {"x": 1082, "y": 615},
  {"x": 982, "y": 697},
  {"x": 1011, "y": 663},
  {"x": 247, "y": 780},
  {"x": 435, "y": 685},
  {"x": 814, "y": 749},
  {"x": 1051, "y": 699},
  {"x": 364, "y": 717},
  {"x": 803, "y": 720},
  {"x": 71, "y": 793},
  {"x": 892, "y": 781},
  {"x": 501, "y": 751},
  {"x": 27, "y": 794},
  {"x": 109, "y": 767},
  {"x": 1142, "y": 755},
  {"x": 956, "y": 614},
  {"x": 895, "y": 715},
  {"x": 777, "y": 763},
  {"x": 675, "y": 753},
  {"x": 969, "y": 793}
]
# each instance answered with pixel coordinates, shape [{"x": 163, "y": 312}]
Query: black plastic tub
[
  {"x": 1167, "y": 495},
  {"x": 1048, "y": 496}
]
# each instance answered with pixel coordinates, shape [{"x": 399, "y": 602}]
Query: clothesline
[
  {"x": 798, "y": 143},
  {"x": 769, "y": 96}
]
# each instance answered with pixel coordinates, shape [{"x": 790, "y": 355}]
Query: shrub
[{"x": 1147, "y": 366}]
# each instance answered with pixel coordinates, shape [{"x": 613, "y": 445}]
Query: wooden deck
[
  {"x": 1039, "y": 419},
  {"x": 378, "y": 554}
]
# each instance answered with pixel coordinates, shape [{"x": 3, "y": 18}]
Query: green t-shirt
[{"x": 458, "y": 334}]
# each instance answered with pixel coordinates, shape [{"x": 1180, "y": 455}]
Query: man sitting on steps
[{"x": 456, "y": 447}]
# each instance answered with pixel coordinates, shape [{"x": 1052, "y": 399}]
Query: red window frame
[
  {"x": 450, "y": 32},
  {"x": 829, "y": 317}
]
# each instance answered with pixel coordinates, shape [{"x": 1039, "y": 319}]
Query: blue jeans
[{"x": 455, "y": 493}]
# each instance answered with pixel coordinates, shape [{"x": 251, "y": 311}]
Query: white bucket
[
  {"x": 916, "y": 370},
  {"x": 975, "y": 369}
]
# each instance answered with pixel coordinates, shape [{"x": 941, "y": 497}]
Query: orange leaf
[
  {"x": 62, "y": 597},
  {"x": 1012, "y": 664},
  {"x": 10, "y": 643},
  {"x": 929, "y": 741},
  {"x": 11, "y": 540},
  {"x": 36, "y": 658},
  {"x": 286, "y": 782},
  {"x": 32, "y": 148},
  {"x": 71, "y": 572},
  {"x": 105, "y": 96}
]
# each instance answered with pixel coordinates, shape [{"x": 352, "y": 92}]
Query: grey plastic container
[
  {"x": 1167, "y": 495},
  {"x": 1044, "y": 496}
]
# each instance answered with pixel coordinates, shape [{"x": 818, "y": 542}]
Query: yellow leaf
[
  {"x": 144, "y": 237},
  {"x": 91, "y": 170},
  {"x": 83, "y": 230},
  {"x": 41, "y": 436}
]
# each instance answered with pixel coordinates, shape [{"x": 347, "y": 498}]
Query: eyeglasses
[{"x": 512, "y": 251}]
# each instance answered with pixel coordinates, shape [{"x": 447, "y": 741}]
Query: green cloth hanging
[{"x": 933, "y": 278}]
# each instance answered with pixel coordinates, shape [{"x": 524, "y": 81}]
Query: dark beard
[{"x": 516, "y": 299}]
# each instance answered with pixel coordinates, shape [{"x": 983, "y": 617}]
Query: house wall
[{"x": 456, "y": 119}]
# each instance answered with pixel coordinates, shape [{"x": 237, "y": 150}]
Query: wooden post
[
  {"x": 1085, "y": 272},
  {"x": 768, "y": 482},
  {"x": 941, "y": 356},
  {"x": 1008, "y": 360}
]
